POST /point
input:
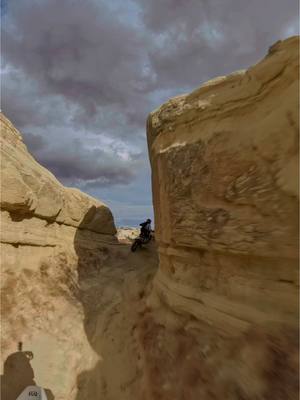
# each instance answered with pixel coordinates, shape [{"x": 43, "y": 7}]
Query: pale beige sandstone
[
  {"x": 27, "y": 188},
  {"x": 127, "y": 235},
  {"x": 224, "y": 309},
  {"x": 63, "y": 286},
  {"x": 45, "y": 227},
  {"x": 220, "y": 321}
]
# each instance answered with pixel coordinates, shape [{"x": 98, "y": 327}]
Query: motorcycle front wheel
[{"x": 135, "y": 245}]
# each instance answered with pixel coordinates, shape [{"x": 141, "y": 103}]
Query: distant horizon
[{"x": 123, "y": 223}]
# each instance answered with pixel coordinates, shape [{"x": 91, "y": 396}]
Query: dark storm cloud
[
  {"x": 94, "y": 164},
  {"x": 231, "y": 15},
  {"x": 197, "y": 40},
  {"x": 81, "y": 76},
  {"x": 34, "y": 142},
  {"x": 104, "y": 61},
  {"x": 78, "y": 165},
  {"x": 81, "y": 51},
  {"x": 23, "y": 104}
]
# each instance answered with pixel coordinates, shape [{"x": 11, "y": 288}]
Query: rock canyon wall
[
  {"x": 71, "y": 290},
  {"x": 219, "y": 319},
  {"x": 223, "y": 314},
  {"x": 51, "y": 238}
]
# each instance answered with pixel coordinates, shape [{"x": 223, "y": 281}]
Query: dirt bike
[{"x": 139, "y": 241}]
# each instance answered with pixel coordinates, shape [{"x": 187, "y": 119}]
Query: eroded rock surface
[
  {"x": 70, "y": 291},
  {"x": 220, "y": 318},
  {"x": 31, "y": 191},
  {"x": 46, "y": 230},
  {"x": 223, "y": 314}
]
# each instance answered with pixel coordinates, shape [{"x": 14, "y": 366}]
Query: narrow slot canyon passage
[
  {"x": 114, "y": 301},
  {"x": 96, "y": 311},
  {"x": 208, "y": 309},
  {"x": 72, "y": 290}
]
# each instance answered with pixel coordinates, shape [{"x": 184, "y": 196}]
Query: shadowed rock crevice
[{"x": 112, "y": 283}]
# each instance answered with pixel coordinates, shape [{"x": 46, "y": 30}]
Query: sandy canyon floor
[
  {"x": 113, "y": 299},
  {"x": 84, "y": 343}
]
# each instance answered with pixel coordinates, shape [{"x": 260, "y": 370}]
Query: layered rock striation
[
  {"x": 71, "y": 290},
  {"x": 225, "y": 187},
  {"x": 29, "y": 191},
  {"x": 52, "y": 237},
  {"x": 220, "y": 318}
]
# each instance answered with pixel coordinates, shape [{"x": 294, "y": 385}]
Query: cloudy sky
[{"x": 79, "y": 78}]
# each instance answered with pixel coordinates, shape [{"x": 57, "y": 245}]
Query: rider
[{"x": 146, "y": 228}]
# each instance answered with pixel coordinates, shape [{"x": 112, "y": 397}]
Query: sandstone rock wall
[
  {"x": 225, "y": 187},
  {"x": 29, "y": 190},
  {"x": 52, "y": 237}
]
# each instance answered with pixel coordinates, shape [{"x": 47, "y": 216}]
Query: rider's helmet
[{"x": 148, "y": 220}]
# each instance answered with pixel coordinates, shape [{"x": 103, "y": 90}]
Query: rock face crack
[{"x": 17, "y": 244}]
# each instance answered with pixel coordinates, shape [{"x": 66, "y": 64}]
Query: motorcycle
[{"x": 139, "y": 241}]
